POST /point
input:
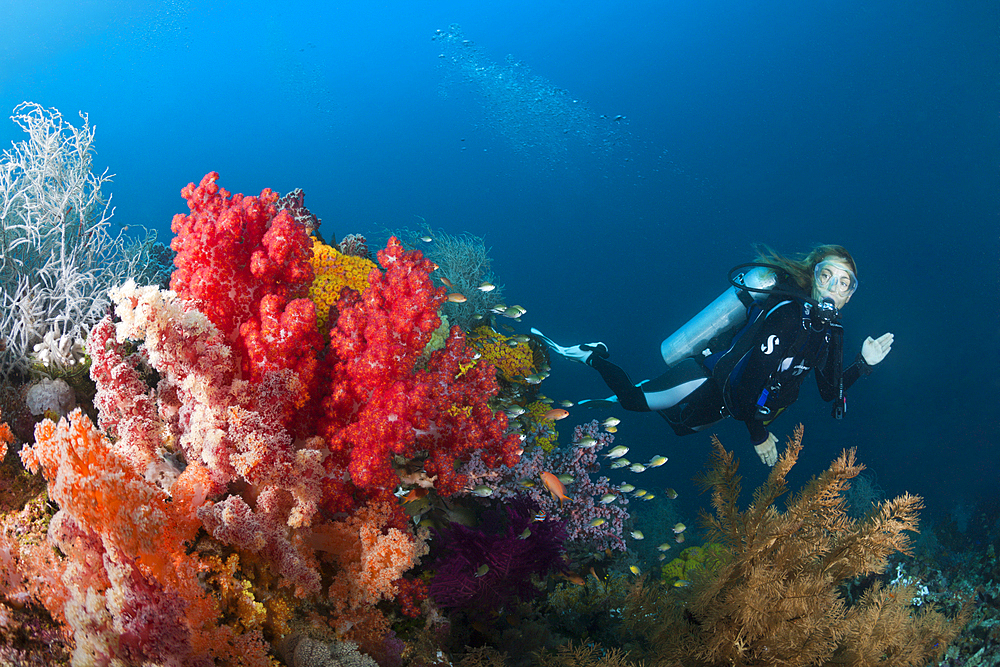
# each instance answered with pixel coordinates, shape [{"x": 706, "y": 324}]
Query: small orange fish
[
  {"x": 554, "y": 486},
  {"x": 414, "y": 494},
  {"x": 597, "y": 576},
  {"x": 446, "y": 281},
  {"x": 573, "y": 578},
  {"x": 555, "y": 414},
  {"x": 455, "y": 297}
]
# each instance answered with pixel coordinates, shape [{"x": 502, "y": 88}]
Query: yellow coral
[
  {"x": 335, "y": 270},
  {"x": 248, "y": 594},
  {"x": 693, "y": 558},
  {"x": 545, "y": 434},
  {"x": 456, "y": 411},
  {"x": 236, "y": 594},
  {"x": 439, "y": 337},
  {"x": 513, "y": 362}
]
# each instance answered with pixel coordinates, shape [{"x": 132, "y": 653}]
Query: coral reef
[
  {"x": 244, "y": 470},
  {"x": 252, "y": 483}
]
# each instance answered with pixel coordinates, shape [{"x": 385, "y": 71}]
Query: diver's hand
[
  {"x": 874, "y": 350},
  {"x": 768, "y": 450}
]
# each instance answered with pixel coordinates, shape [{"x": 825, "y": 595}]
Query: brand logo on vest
[{"x": 768, "y": 347}]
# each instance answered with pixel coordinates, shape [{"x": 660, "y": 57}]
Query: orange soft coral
[
  {"x": 124, "y": 546},
  {"x": 369, "y": 556},
  {"x": 6, "y": 437},
  {"x": 95, "y": 484},
  {"x": 334, "y": 271}
]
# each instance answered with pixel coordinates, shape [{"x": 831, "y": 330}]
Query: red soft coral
[
  {"x": 464, "y": 421},
  {"x": 248, "y": 269},
  {"x": 380, "y": 404},
  {"x": 214, "y": 246}
]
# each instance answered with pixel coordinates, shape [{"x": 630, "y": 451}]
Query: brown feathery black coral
[
  {"x": 584, "y": 655},
  {"x": 776, "y": 600}
]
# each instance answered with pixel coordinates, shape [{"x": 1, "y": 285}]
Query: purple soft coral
[{"x": 483, "y": 568}]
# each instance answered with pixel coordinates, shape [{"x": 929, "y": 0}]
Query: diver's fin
[
  {"x": 598, "y": 402},
  {"x": 579, "y": 353}
]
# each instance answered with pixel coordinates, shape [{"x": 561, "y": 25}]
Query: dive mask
[{"x": 829, "y": 276}]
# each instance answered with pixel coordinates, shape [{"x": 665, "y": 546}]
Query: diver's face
[{"x": 831, "y": 281}]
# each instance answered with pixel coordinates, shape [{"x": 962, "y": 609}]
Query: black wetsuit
[{"x": 754, "y": 378}]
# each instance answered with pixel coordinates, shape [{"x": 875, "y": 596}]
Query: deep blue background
[{"x": 872, "y": 124}]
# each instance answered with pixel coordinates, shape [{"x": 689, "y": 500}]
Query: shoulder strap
[{"x": 742, "y": 342}]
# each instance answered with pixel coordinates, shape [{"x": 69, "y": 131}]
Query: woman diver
[{"x": 746, "y": 354}]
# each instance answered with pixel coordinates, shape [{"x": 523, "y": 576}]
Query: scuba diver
[{"x": 746, "y": 354}]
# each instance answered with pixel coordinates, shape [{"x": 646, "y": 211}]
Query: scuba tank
[{"x": 728, "y": 311}]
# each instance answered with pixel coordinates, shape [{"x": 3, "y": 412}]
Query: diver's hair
[{"x": 800, "y": 268}]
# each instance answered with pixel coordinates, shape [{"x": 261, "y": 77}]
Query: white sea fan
[{"x": 57, "y": 254}]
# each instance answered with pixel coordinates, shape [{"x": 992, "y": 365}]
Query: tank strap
[{"x": 745, "y": 298}]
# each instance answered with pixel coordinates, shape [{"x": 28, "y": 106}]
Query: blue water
[{"x": 871, "y": 124}]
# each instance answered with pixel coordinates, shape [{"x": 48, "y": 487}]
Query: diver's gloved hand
[
  {"x": 768, "y": 450},
  {"x": 874, "y": 350}
]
